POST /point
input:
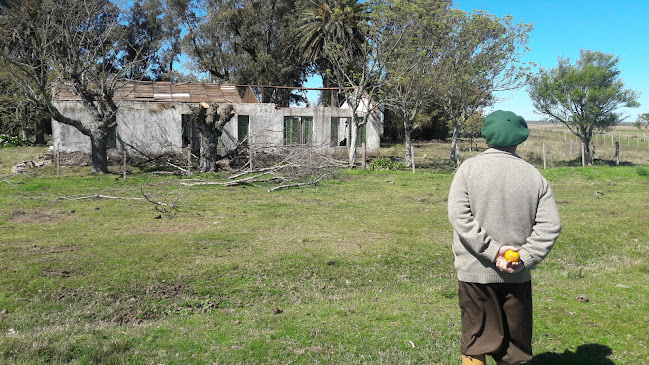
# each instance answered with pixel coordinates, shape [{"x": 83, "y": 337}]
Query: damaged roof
[{"x": 160, "y": 91}]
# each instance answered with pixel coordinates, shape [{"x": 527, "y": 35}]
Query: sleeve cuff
[
  {"x": 527, "y": 259},
  {"x": 492, "y": 251}
]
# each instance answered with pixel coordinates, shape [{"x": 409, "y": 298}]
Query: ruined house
[{"x": 156, "y": 118}]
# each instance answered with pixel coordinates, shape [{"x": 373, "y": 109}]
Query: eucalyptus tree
[
  {"x": 77, "y": 45},
  {"x": 480, "y": 55},
  {"x": 413, "y": 29},
  {"x": 583, "y": 96},
  {"x": 142, "y": 38},
  {"x": 247, "y": 42},
  {"x": 19, "y": 116},
  {"x": 19, "y": 113}
]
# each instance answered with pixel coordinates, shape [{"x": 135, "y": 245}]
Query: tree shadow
[{"x": 587, "y": 354}]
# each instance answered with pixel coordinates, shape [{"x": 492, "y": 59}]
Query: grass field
[{"x": 356, "y": 270}]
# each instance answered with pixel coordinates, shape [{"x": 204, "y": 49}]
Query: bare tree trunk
[
  {"x": 98, "y": 152},
  {"x": 588, "y": 153},
  {"x": 454, "y": 138},
  {"x": 407, "y": 128},
  {"x": 208, "y": 143},
  {"x": 210, "y": 121},
  {"x": 353, "y": 127}
]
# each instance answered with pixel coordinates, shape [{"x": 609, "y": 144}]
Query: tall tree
[
  {"x": 20, "y": 113},
  {"x": 412, "y": 28},
  {"x": 78, "y": 44},
  {"x": 247, "y": 42},
  {"x": 583, "y": 96},
  {"x": 19, "y": 116},
  {"x": 358, "y": 70},
  {"x": 142, "y": 39},
  {"x": 323, "y": 21},
  {"x": 480, "y": 55}
]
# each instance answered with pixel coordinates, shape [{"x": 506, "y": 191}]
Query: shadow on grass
[
  {"x": 537, "y": 160},
  {"x": 587, "y": 354}
]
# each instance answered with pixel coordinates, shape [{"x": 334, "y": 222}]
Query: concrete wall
[
  {"x": 156, "y": 128},
  {"x": 267, "y": 126}
]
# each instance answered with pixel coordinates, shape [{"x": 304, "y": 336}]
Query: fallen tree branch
[
  {"x": 314, "y": 182},
  {"x": 247, "y": 180},
  {"x": 96, "y": 196}
]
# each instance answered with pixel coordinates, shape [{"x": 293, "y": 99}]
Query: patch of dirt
[
  {"x": 58, "y": 272},
  {"x": 34, "y": 216},
  {"x": 164, "y": 290},
  {"x": 59, "y": 249},
  {"x": 127, "y": 316},
  {"x": 164, "y": 226},
  {"x": 65, "y": 293}
]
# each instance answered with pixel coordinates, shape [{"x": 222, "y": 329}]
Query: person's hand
[{"x": 508, "y": 266}]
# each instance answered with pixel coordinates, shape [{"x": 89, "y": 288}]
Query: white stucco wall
[{"x": 156, "y": 128}]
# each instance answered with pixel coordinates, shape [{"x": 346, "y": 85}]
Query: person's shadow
[{"x": 588, "y": 354}]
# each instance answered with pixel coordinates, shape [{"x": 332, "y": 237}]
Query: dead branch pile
[{"x": 283, "y": 168}]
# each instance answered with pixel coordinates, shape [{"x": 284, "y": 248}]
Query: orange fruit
[{"x": 512, "y": 256}]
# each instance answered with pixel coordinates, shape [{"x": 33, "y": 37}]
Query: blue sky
[{"x": 562, "y": 28}]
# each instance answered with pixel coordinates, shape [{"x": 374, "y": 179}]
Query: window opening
[
  {"x": 242, "y": 129},
  {"x": 190, "y": 136},
  {"x": 298, "y": 130}
]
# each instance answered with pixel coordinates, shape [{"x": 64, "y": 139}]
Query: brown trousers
[{"x": 497, "y": 320}]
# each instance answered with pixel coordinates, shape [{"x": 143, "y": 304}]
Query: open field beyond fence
[
  {"x": 356, "y": 270},
  {"x": 562, "y": 148}
]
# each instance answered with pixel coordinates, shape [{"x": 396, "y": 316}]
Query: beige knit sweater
[{"x": 498, "y": 199}]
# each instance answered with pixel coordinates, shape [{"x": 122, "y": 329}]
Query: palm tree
[{"x": 329, "y": 21}]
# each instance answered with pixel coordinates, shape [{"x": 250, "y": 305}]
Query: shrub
[
  {"x": 10, "y": 141},
  {"x": 385, "y": 164}
]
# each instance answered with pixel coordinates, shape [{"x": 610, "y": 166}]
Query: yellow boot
[{"x": 473, "y": 360}]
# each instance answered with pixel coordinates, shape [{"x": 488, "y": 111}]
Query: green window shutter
[
  {"x": 242, "y": 129},
  {"x": 307, "y": 130},
  {"x": 362, "y": 135},
  {"x": 335, "y": 122},
  {"x": 291, "y": 130}
]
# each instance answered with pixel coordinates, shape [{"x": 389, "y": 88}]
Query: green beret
[{"x": 504, "y": 129}]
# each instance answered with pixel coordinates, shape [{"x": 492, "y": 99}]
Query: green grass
[{"x": 355, "y": 270}]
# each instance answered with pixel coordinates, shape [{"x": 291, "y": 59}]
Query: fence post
[
  {"x": 617, "y": 153},
  {"x": 123, "y": 155},
  {"x": 544, "y": 158},
  {"x": 571, "y": 143},
  {"x": 250, "y": 153},
  {"x": 412, "y": 156},
  {"x": 189, "y": 160},
  {"x": 57, "y": 154},
  {"x": 583, "y": 155},
  {"x": 364, "y": 148}
]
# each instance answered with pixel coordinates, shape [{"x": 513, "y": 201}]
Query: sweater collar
[{"x": 496, "y": 151}]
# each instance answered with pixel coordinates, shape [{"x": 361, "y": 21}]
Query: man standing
[{"x": 498, "y": 202}]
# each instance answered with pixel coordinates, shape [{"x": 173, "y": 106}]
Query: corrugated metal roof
[{"x": 185, "y": 92}]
